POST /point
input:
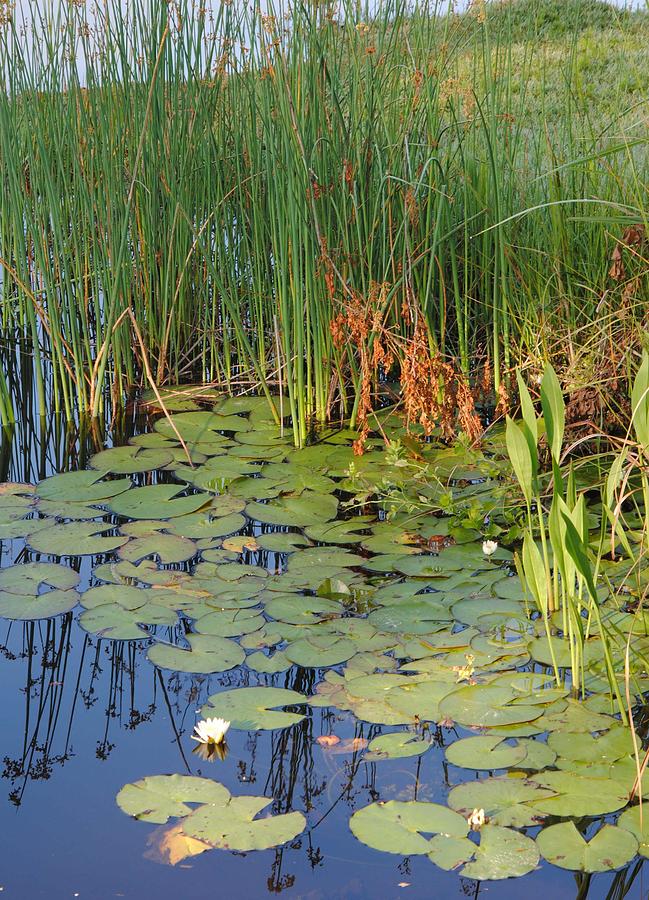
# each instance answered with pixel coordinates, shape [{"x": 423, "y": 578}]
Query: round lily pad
[
  {"x": 503, "y": 853},
  {"x": 29, "y": 578},
  {"x": 399, "y": 826},
  {"x": 506, "y": 801},
  {"x": 130, "y": 459},
  {"x": 160, "y": 501},
  {"x": 485, "y": 752},
  {"x": 81, "y": 487},
  {"x": 232, "y": 826},
  {"x": 255, "y": 708},
  {"x": 397, "y": 745},
  {"x": 159, "y": 798},
  {"x": 207, "y": 654},
  {"x": 75, "y": 539},
  {"x": 564, "y": 846},
  {"x": 484, "y": 705},
  {"x": 37, "y": 606}
]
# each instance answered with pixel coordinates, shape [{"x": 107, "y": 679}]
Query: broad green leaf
[
  {"x": 232, "y": 826},
  {"x": 399, "y": 827},
  {"x": 81, "y": 487},
  {"x": 485, "y": 752},
  {"x": 397, "y": 745},
  {"x": 506, "y": 800},
  {"x": 207, "y": 654},
  {"x": 564, "y": 846},
  {"x": 75, "y": 539},
  {"x": 502, "y": 853},
  {"x": 255, "y": 708},
  {"x": 159, "y": 798},
  {"x": 157, "y": 501}
]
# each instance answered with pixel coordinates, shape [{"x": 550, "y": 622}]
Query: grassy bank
[{"x": 320, "y": 200}]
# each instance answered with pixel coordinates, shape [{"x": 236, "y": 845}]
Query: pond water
[{"x": 265, "y": 559}]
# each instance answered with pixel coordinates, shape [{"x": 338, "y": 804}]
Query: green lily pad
[
  {"x": 75, "y": 539},
  {"x": 630, "y": 821},
  {"x": 206, "y": 525},
  {"x": 399, "y": 827},
  {"x": 397, "y": 745},
  {"x": 416, "y": 616},
  {"x": 502, "y": 853},
  {"x": 130, "y": 459},
  {"x": 309, "y": 508},
  {"x": 317, "y": 650},
  {"x": 255, "y": 708},
  {"x": 29, "y": 578},
  {"x": 584, "y": 747},
  {"x": 200, "y": 426},
  {"x": 230, "y": 622},
  {"x": 507, "y": 801},
  {"x": 483, "y": 705},
  {"x": 81, "y": 487},
  {"x": 110, "y": 620},
  {"x": 207, "y": 654},
  {"x": 232, "y": 826},
  {"x": 268, "y": 665},
  {"x": 159, "y": 798},
  {"x": 169, "y": 548},
  {"x": 578, "y": 795},
  {"x": 564, "y": 846},
  {"x": 157, "y": 501},
  {"x": 282, "y": 541},
  {"x": 37, "y": 606},
  {"x": 485, "y": 752},
  {"x": 295, "y": 609}
]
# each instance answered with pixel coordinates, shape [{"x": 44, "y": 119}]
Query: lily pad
[
  {"x": 76, "y": 539},
  {"x": 207, "y": 654},
  {"x": 232, "y": 826},
  {"x": 157, "y": 501},
  {"x": 255, "y": 708},
  {"x": 308, "y": 509},
  {"x": 578, "y": 795},
  {"x": 168, "y": 548},
  {"x": 399, "y": 826},
  {"x": 159, "y": 798},
  {"x": 507, "y": 801},
  {"x": 29, "y": 578},
  {"x": 130, "y": 459},
  {"x": 630, "y": 820},
  {"x": 109, "y": 620},
  {"x": 37, "y": 606},
  {"x": 81, "y": 487},
  {"x": 397, "y": 745},
  {"x": 485, "y": 752},
  {"x": 503, "y": 853},
  {"x": 564, "y": 846},
  {"x": 484, "y": 705}
]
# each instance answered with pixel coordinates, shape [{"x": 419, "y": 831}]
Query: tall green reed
[{"x": 237, "y": 184}]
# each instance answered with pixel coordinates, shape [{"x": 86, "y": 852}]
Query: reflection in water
[
  {"x": 71, "y": 695},
  {"x": 64, "y": 673}
]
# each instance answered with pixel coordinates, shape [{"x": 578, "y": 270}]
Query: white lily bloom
[
  {"x": 489, "y": 547},
  {"x": 210, "y": 731},
  {"x": 476, "y": 820}
]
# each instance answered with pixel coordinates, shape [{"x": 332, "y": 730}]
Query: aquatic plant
[{"x": 315, "y": 201}]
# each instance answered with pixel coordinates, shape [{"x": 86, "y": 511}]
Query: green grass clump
[{"x": 319, "y": 199}]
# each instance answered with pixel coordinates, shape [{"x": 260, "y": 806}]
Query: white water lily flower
[
  {"x": 210, "y": 731},
  {"x": 476, "y": 820},
  {"x": 489, "y": 547}
]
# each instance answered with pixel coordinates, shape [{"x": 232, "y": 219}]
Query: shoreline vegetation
[{"x": 322, "y": 202}]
